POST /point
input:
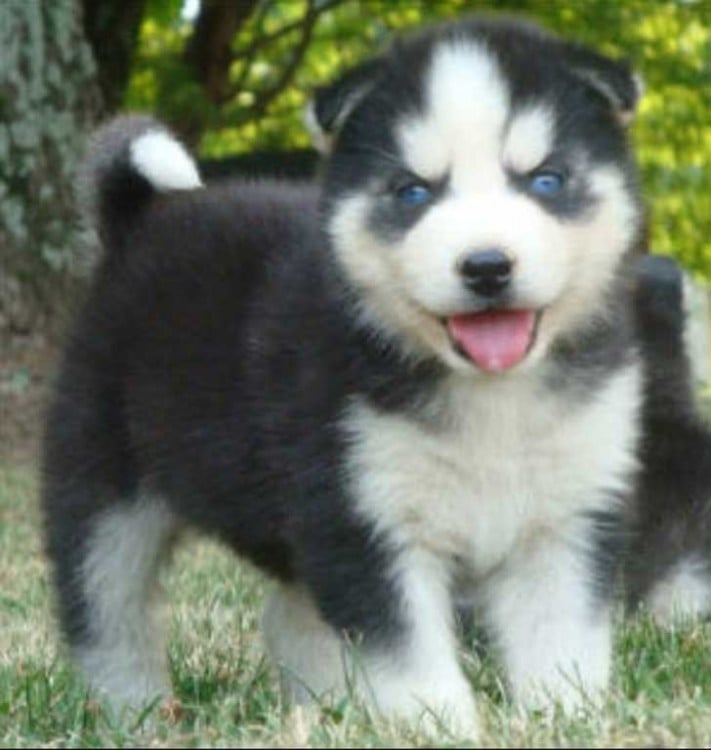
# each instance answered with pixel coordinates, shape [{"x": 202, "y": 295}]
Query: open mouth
[{"x": 494, "y": 340}]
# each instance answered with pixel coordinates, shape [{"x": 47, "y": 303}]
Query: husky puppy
[
  {"x": 415, "y": 384},
  {"x": 668, "y": 564}
]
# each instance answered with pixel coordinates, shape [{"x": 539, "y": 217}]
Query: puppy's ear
[
  {"x": 613, "y": 79},
  {"x": 332, "y": 104}
]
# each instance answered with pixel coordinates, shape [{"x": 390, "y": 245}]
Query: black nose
[{"x": 486, "y": 272}]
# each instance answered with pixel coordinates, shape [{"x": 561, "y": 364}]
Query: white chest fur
[{"x": 516, "y": 458}]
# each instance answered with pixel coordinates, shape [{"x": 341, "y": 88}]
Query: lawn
[{"x": 228, "y": 696}]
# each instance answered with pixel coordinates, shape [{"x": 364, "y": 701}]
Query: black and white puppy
[
  {"x": 417, "y": 384},
  {"x": 668, "y": 565}
]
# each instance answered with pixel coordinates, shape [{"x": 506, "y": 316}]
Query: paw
[
  {"x": 129, "y": 700},
  {"x": 684, "y": 595},
  {"x": 564, "y": 692},
  {"x": 459, "y": 721},
  {"x": 449, "y": 710}
]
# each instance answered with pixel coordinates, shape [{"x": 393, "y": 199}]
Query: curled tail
[{"x": 131, "y": 159}]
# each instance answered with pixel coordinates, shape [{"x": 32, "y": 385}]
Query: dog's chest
[{"x": 512, "y": 461}]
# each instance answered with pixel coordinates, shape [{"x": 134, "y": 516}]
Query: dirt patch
[{"x": 27, "y": 366}]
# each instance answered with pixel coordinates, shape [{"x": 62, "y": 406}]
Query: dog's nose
[{"x": 486, "y": 272}]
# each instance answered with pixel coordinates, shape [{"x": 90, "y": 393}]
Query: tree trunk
[
  {"x": 49, "y": 101},
  {"x": 112, "y": 30}
]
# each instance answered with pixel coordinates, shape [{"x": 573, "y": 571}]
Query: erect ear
[
  {"x": 332, "y": 104},
  {"x": 613, "y": 79}
]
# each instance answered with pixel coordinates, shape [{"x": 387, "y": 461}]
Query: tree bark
[{"x": 49, "y": 101}]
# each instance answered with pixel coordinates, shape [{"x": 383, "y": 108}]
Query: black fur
[
  {"x": 164, "y": 387},
  {"x": 674, "y": 492}
]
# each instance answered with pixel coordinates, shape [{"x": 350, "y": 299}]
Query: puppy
[
  {"x": 417, "y": 382},
  {"x": 668, "y": 567}
]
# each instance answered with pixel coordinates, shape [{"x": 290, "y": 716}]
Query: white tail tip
[{"x": 159, "y": 158}]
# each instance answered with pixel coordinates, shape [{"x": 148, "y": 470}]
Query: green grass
[{"x": 228, "y": 695}]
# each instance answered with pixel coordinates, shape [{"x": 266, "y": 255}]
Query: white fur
[
  {"x": 385, "y": 301},
  {"x": 514, "y": 469},
  {"x": 684, "y": 594},
  {"x": 422, "y": 674},
  {"x": 514, "y": 457},
  {"x": 164, "y": 162},
  {"x": 418, "y": 679},
  {"x": 554, "y": 641},
  {"x": 467, "y": 105},
  {"x": 125, "y": 658},
  {"x": 529, "y": 139}
]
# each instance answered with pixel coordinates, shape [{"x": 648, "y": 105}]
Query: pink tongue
[{"x": 495, "y": 340}]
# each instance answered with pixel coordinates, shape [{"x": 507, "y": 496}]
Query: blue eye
[
  {"x": 415, "y": 194},
  {"x": 546, "y": 184}
]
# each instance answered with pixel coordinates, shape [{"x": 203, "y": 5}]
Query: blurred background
[{"x": 232, "y": 78}]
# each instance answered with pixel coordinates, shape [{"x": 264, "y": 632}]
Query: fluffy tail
[{"x": 130, "y": 160}]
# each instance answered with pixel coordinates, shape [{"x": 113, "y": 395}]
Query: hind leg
[
  {"x": 107, "y": 587},
  {"x": 307, "y": 652}
]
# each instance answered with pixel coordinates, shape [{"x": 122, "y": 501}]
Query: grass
[{"x": 227, "y": 694}]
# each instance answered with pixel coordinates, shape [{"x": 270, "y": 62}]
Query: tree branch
[
  {"x": 209, "y": 50},
  {"x": 249, "y": 60},
  {"x": 307, "y": 24},
  {"x": 261, "y": 41}
]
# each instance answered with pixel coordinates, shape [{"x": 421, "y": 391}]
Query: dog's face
[{"x": 479, "y": 194}]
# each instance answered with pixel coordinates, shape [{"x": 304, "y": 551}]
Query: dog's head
[{"x": 480, "y": 194}]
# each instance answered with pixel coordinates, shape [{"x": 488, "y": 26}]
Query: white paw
[
  {"x": 126, "y": 685},
  {"x": 460, "y": 721},
  {"x": 567, "y": 692},
  {"x": 684, "y": 594},
  {"x": 447, "y": 708}
]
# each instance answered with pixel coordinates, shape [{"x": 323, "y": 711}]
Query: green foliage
[
  {"x": 161, "y": 81},
  {"x": 669, "y": 41}
]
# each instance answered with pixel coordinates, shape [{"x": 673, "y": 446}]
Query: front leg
[
  {"x": 551, "y": 618},
  {"x": 399, "y": 652}
]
